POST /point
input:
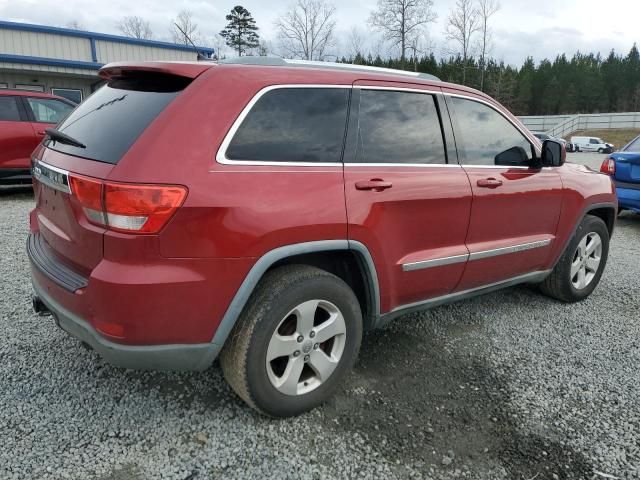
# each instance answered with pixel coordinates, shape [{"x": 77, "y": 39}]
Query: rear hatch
[
  {"x": 627, "y": 167},
  {"x": 69, "y": 187}
]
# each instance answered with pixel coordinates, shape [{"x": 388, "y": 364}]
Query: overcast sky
[{"x": 539, "y": 28}]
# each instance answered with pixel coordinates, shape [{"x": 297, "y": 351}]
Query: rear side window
[
  {"x": 110, "y": 120},
  {"x": 634, "y": 146},
  {"x": 399, "y": 127},
  {"x": 9, "y": 109},
  {"x": 293, "y": 125},
  {"x": 48, "y": 110},
  {"x": 488, "y": 138}
]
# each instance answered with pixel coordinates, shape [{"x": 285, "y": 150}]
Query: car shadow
[{"x": 16, "y": 192}]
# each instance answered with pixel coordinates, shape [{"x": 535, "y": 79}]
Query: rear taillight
[
  {"x": 608, "y": 166},
  {"x": 125, "y": 207}
]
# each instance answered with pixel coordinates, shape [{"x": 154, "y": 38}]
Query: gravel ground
[{"x": 511, "y": 385}]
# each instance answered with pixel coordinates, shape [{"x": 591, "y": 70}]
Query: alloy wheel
[
  {"x": 586, "y": 260},
  {"x": 306, "y": 347}
]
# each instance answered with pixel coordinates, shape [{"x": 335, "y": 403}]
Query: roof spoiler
[{"x": 180, "y": 69}]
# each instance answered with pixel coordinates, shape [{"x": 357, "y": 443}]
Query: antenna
[{"x": 201, "y": 56}]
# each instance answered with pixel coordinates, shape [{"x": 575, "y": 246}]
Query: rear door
[
  {"x": 516, "y": 206},
  {"x": 17, "y": 139},
  {"x": 407, "y": 198}
]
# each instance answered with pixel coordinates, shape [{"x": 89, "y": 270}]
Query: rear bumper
[
  {"x": 147, "y": 357},
  {"x": 629, "y": 198}
]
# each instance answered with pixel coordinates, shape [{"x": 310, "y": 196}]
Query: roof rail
[{"x": 284, "y": 62}]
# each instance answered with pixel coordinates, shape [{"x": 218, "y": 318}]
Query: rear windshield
[
  {"x": 634, "y": 146},
  {"x": 110, "y": 120}
]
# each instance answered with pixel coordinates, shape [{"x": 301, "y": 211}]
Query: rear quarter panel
[{"x": 231, "y": 211}]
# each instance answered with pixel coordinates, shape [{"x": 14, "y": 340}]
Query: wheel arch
[{"x": 330, "y": 255}]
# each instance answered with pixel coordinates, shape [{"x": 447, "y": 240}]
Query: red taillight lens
[
  {"x": 608, "y": 166},
  {"x": 141, "y": 208},
  {"x": 125, "y": 207},
  {"x": 89, "y": 194}
]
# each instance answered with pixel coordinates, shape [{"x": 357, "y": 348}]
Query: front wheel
[
  {"x": 600, "y": 150},
  {"x": 580, "y": 267},
  {"x": 298, "y": 335}
]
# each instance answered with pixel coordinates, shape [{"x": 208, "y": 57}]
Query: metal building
[{"x": 65, "y": 62}]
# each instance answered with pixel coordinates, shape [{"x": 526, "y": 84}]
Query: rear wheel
[
  {"x": 580, "y": 267},
  {"x": 298, "y": 335}
]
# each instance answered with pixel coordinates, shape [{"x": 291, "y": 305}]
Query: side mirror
[
  {"x": 514, "y": 157},
  {"x": 553, "y": 154}
]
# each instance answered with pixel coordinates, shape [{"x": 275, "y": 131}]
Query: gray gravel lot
[{"x": 510, "y": 385}]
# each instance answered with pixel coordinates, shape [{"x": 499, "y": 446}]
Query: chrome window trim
[
  {"x": 420, "y": 165},
  {"x": 41, "y": 172},
  {"x": 439, "y": 262},
  {"x": 221, "y": 155}
]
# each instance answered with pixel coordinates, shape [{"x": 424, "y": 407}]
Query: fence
[{"x": 560, "y": 125}]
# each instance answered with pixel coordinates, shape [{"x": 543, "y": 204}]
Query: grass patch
[{"x": 618, "y": 136}]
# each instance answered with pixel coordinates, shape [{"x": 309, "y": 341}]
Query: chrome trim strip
[
  {"x": 439, "y": 262},
  {"x": 51, "y": 176},
  {"x": 436, "y": 262},
  {"x": 221, "y": 155},
  {"x": 507, "y": 250},
  {"x": 421, "y": 165}
]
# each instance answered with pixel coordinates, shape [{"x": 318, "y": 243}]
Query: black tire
[
  {"x": 558, "y": 284},
  {"x": 243, "y": 358}
]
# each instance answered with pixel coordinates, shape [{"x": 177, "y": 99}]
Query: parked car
[
  {"x": 543, "y": 136},
  {"x": 24, "y": 116},
  {"x": 591, "y": 144},
  {"x": 272, "y": 213},
  {"x": 624, "y": 168}
]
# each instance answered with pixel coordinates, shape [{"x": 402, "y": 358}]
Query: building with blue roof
[{"x": 65, "y": 62}]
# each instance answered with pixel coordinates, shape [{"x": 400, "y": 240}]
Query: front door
[
  {"x": 516, "y": 205},
  {"x": 405, "y": 201}
]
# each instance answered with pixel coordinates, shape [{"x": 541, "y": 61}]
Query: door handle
[
  {"x": 489, "y": 182},
  {"x": 375, "y": 184},
  {"x": 42, "y": 133}
]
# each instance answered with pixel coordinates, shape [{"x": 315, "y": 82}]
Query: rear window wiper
[{"x": 58, "y": 136}]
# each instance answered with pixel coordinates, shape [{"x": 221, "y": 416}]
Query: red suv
[
  {"x": 271, "y": 213},
  {"x": 24, "y": 116}
]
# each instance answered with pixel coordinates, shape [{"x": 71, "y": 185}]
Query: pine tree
[{"x": 241, "y": 31}]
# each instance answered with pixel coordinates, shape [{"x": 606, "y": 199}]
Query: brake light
[
  {"x": 125, "y": 207},
  {"x": 608, "y": 166}
]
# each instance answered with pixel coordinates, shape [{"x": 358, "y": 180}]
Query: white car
[{"x": 591, "y": 144}]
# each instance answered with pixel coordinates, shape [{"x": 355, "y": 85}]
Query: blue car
[{"x": 624, "y": 167}]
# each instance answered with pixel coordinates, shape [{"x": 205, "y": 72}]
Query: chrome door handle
[{"x": 489, "y": 182}]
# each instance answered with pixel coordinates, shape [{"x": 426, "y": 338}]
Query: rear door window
[
  {"x": 109, "y": 121},
  {"x": 399, "y": 127},
  {"x": 46, "y": 110},
  {"x": 293, "y": 125},
  {"x": 9, "y": 111}
]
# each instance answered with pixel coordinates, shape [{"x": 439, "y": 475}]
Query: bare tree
[
  {"x": 185, "y": 21},
  {"x": 75, "y": 25},
  {"x": 356, "y": 42},
  {"x": 462, "y": 23},
  {"x": 306, "y": 30},
  {"x": 135, "y": 27},
  {"x": 400, "y": 20},
  {"x": 486, "y": 9}
]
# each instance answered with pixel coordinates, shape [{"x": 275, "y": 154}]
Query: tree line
[{"x": 584, "y": 83}]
